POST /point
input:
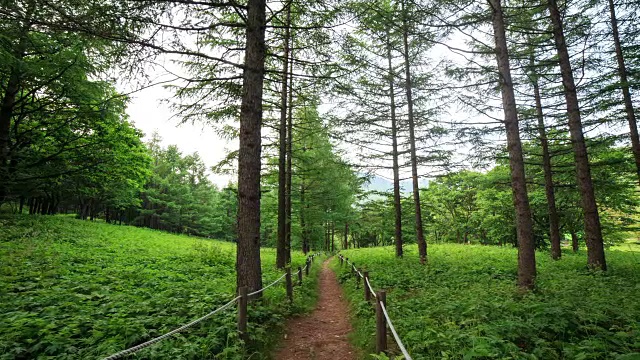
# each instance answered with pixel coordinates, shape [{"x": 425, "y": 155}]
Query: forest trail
[{"x": 323, "y": 334}]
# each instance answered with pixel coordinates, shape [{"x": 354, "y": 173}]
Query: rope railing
[
  {"x": 137, "y": 348},
  {"x": 148, "y": 343},
  {"x": 268, "y": 286},
  {"x": 370, "y": 287},
  {"x": 382, "y": 316},
  {"x": 395, "y": 334}
]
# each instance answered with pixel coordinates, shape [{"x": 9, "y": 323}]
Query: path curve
[{"x": 323, "y": 334}]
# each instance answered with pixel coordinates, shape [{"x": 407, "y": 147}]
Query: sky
[{"x": 150, "y": 114}]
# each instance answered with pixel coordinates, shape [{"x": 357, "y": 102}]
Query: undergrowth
[
  {"x": 464, "y": 304},
  {"x": 74, "y": 289}
]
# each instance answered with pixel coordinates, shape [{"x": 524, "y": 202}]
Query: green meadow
[
  {"x": 464, "y": 304},
  {"x": 74, "y": 289}
]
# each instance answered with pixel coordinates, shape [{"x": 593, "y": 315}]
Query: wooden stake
[
  {"x": 289, "y": 285},
  {"x": 242, "y": 313},
  {"x": 381, "y": 324}
]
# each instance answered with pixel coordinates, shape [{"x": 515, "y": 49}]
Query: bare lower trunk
[
  {"x": 575, "y": 246},
  {"x": 303, "y": 223},
  {"x": 6, "y": 113},
  {"x": 281, "y": 244},
  {"x": 248, "y": 269},
  {"x": 397, "y": 206},
  {"x": 422, "y": 244},
  {"x": 624, "y": 85},
  {"x": 524, "y": 226},
  {"x": 288, "y": 198},
  {"x": 326, "y": 236},
  {"x": 346, "y": 236},
  {"x": 554, "y": 222},
  {"x": 9, "y": 100},
  {"x": 593, "y": 231},
  {"x": 333, "y": 234}
]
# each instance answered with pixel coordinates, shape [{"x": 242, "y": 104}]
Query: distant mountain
[{"x": 378, "y": 183}]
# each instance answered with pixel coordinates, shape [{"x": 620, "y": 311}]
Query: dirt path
[{"x": 323, "y": 333}]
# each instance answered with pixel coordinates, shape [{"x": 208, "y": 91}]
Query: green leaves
[
  {"x": 461, "y": 306},
  {"x": 72, "y": 289}
]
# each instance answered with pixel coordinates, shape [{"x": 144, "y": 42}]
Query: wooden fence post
[
  {"x": 289, "y": 285},
  {"x": 306, "y": 270},
  {"x": 299, "y": 275},
  {"x": 242, "y": 312},
  {"x": 381, "y": 324},
  {"x": 367, "y": 293}
]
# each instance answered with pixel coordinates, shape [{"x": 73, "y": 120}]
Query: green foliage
[
  {"x": 73, "y": 289},
  {"x": 463, "y": 304},
  {"x": 179, "y": 197},
  {"x": 473, "y": 207},
  {"x": 323, "y": 188}
]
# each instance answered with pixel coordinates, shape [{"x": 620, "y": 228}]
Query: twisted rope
[
  {"x": 371, "y": 288},
  {"x": 136, "y": 348},
  {"x": 268, "y": 286},
  {"x": 395, "y": 334},
  {"x": 139, "y": 347},
  {"x": 396, "y": 337}
]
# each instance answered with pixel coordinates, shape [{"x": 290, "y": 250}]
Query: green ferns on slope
[
  {"x": 74, "y": 289},
  {"x": 464, "y": 304}
]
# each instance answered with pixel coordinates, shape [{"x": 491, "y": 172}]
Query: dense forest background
[{"x": 324, "y": 97}]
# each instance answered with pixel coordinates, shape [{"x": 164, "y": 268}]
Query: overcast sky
[{"x": 150, "y": 114}]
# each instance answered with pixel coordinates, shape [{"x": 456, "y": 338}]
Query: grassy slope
[
  {"x": 72, "y": 289},
  {"x": 464, "y": 305}
]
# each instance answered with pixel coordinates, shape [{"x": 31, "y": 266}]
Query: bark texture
[
  {"x": 554, "y": 222},
  {"x": 281, "y": 245},
  {"x": 592, "y": 228},
  {"x": 624, "y": 85},
  {"x": 422, "y": 244},
  {"x": 524, "y": 226},
  {"x": 289, "y": 153},
  {"x": 397, "y": 206},
  {"x": 248, "y": 270}
]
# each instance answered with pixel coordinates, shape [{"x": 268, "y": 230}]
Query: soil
[{"x": 323, "y": 334}]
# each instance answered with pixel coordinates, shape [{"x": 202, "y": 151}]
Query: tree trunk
[
  {"x": 346, "y": 236},
  {"x": 288, "y": 198},
  {"x": 624, "y": 85},
  {"x": 8, "y": 102},
  {"x": 574, "y": 242},
  {"x": 422, "y": 244},
  {"x": 524, "y": 226},
  {"x": 397, "y": 206},
  {"x": 303, "y": 224},
  {"x": 326, "y": 236},
  {"x": 333, "y": 234},
  {"x": 248, "y": 269},
  {"x": 554, "y": 222},
  {"x": 281, "y": 245},
  {"x": 593, "y": 231}
]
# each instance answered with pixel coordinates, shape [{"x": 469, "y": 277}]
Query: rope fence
[
  {"x": 382, "y": 316},
  {"x": 241, "y": 299}
]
